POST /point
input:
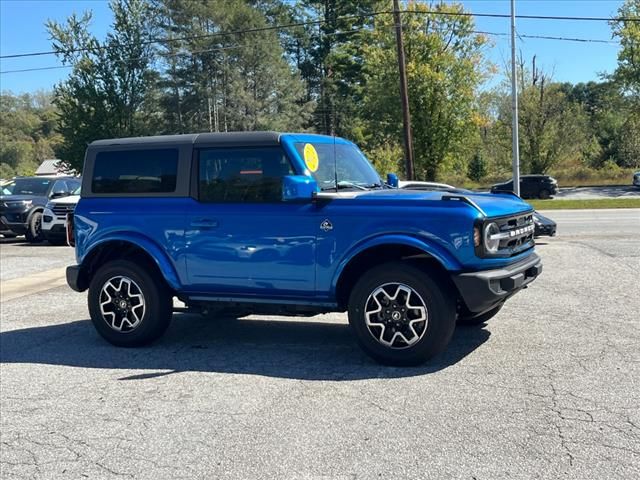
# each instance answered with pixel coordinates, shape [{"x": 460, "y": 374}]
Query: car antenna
[{"x": 335, "y": 161}]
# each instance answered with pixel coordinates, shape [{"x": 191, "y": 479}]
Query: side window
[
  {"x": 135, "y": 171},
  {"x": 242, "y": 174}
]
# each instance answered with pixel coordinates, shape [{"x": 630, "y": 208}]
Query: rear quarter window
[{"x": 135, "y": 171}]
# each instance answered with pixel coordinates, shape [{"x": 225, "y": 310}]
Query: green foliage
[
  {"x": 444, "y": 69},
  {"x": 387, "y": 158},
  {"x": 628, "y": 71},
  {"x": 477, "y": 168},
  {"x": 27, "y": 132},
  {"x": 230, "y": 82},
  {"x": 338, "y": 75},
  {"x": 104, "y": 96}
]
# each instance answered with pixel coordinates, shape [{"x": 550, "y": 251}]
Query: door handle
[{"x": 204, "y": 223}]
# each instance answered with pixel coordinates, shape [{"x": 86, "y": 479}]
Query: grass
[{"x": 585, "y": 204}]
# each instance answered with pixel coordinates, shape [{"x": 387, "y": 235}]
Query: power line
[
  {"x": 320, "y": 22},
  {"x": 346, "y": 32}
]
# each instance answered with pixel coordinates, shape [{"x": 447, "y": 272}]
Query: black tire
[
  {"x": 544, "y": 194},
  {"x": 482, "y": 318},
  {"x": 440, "y": 313},
  {"x": 155, "y": 315},
  {"x": 34, "y": 229}
]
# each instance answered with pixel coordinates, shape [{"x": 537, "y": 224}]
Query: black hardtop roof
[{"x": 219, "y": 138}]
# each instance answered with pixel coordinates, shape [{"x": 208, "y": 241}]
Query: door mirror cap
[
  {"x": 392, "y": 180},
  {"x": 59, "y": 194},
  {"x": 298, "y": 188}
]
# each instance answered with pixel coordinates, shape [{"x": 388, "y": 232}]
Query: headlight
[
  {"x": 491, "y": 241},
  {"x": 49, "y": 205},
  {"x": 18, "y": 203}
]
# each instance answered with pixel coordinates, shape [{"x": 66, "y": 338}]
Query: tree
[
  {"x": 551, "y": 127},
  {"x": 444, "y": 69},
  {"x": 214, "y": 80},
  {"x": 27, "y": 132},
  {"x": 105, "y": 93},
  {"x": 628, "y": 71},
  {"x": 477, "y": 167}
]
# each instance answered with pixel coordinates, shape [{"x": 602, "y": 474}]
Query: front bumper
[
  {"x": 483, "y": 290},
  {"x": 545, "y": 229},
  {"x": 18, "y": 228},
  {"x": 56, "y": 231}
]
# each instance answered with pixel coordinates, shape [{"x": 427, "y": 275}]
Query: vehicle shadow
[
  {"x": 10, "y": 241},
  {"x": 307, "y": 350}
]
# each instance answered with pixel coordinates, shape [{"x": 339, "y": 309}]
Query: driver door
[{"x": 241, "y": 238}]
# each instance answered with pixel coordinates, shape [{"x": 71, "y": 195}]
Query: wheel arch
[
  {"x": 384, "y": 250},
  {"x": 139, "y": 250}
]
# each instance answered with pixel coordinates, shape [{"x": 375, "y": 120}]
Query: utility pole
[
  {"x": 404, "y": 96},
  {"x": 515, "y": 147}
]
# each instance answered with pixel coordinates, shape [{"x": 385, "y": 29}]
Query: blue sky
[{"x": 22, "y": 30}]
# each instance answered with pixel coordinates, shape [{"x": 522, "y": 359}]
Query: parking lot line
[{"x": 30, "y": 284}]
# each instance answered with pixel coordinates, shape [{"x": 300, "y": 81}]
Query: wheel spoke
[
  {"x": 396, "y": 315},
  {"x": 122, "y": 304}
]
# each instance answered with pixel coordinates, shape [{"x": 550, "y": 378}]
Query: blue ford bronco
[{"x": 288, "y": 224}]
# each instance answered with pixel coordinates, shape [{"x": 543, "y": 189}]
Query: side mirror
[
  {"x": 59, "y": 194},
  {"x": 298, "y": 188},
  {"x": 392, "y": 180}
]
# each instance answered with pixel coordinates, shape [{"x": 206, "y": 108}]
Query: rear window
[{"x": 135, "y": 171}]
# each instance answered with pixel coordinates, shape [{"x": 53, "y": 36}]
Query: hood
[
  {"x": 492, "y": 204},
  {"x": 70, "y": 200}
]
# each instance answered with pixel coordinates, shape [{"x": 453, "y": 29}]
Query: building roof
[{"x": 50, "y": 167}]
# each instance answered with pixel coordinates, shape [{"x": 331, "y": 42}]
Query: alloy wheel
[
  {"x": 396, "y": 315},
  {"x": 122, "y": 304}
]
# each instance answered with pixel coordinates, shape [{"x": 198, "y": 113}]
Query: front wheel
[
  {"x": 400, "y": 315},
  {"x": 129, "y": 307},
  {"x": 34, "y": 229}
]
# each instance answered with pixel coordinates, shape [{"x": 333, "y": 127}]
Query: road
[
  {"x": 587, "y": 193},
  {"x": 547, "y": 389}
]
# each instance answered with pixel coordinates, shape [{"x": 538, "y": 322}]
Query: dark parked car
[
  {"x": 23, "y": 200},
  {"x": 531, "y": 186},
  {"x": 636, "y": 179},
  {"x": 544, "y": 225}
]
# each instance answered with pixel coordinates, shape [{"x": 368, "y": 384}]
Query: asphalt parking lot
[{"x": 547, "y": 389}]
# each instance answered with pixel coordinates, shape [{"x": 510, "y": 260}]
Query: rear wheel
[
  {"x": 34, "y": 230},
  {"x": 400, "y": 315},
  {"x": 544, "y": 194},
  {"x": 128, "y": 306},
  {"x": 482, "y": 318}
]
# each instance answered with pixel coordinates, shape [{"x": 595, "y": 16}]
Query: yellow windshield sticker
[{"x": 311, "y": 157}]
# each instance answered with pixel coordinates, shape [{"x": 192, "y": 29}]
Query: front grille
[
  {"x": 516, "y": 234},
  {"x": 61, "y": 210}
]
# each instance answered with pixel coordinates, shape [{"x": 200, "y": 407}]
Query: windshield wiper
[{"x": 343, "y": 184}]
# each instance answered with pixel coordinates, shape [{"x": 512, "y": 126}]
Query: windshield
[
  {"x": 28, "y": 186},
  {"x": 328, "y": 161}
]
